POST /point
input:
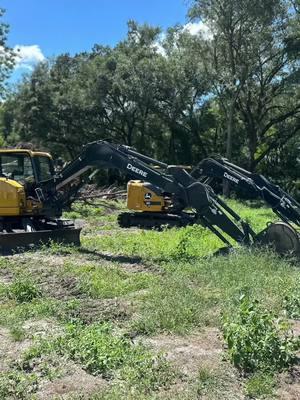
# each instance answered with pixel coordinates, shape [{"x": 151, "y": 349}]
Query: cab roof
[{"x": 30, "y": 153}]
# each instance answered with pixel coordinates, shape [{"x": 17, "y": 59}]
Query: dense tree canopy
[{"x": 231, "y": 89}]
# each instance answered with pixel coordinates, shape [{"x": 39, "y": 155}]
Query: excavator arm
[{"x": 254, "y": 185}]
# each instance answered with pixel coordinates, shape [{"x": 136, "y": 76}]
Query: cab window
[
  {"x": 17, "y": 167},
  {"x": 44, "y": 168}
]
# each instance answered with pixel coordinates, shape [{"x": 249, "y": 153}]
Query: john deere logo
[{"x": 147, "y": 196}]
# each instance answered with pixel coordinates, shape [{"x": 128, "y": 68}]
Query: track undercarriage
[{"x": 150, "y": 220}]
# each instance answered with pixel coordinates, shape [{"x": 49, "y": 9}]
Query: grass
[
  {"x": 108, "y": 282},
  {"x": 194, "y": 294},
  {"x": 260, "y": 385},
  {"x": 164, "y": 245},
  {"x": 175, "y": 286},
  {"x": 103, "y": 351},
  {"x": 13, "y": 315}
]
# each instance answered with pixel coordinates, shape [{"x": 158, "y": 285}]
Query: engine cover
[
  {"x": 12, "y": 198},
  {"x": 142, "y": 196}
]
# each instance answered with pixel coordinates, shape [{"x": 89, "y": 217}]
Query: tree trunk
[
  {"x": 252, "y": 149},
  {"x": 226, "y": 190}
]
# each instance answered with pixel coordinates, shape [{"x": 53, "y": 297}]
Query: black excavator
[
  {"x": 33, "y": 198},
  {"x": 211, "y": 171}
]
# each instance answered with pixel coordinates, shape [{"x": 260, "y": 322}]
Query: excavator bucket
[
  {"x": 284, "y": 239},
  {"x": 18, "y": 241}
]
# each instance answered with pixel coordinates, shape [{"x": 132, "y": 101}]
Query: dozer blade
[{"x": 18, "y": 241}]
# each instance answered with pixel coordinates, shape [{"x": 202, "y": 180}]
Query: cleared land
[{"x": 140, "y": 315}]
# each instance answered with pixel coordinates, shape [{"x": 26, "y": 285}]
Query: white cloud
[
  {"x": 158, "y": 45},
  {"x": 195, "y": 28},
  {"x": 28, "y": 56}
]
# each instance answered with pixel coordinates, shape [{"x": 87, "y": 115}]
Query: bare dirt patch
[
  {"x": 6, "y": 276},
  {"x": 38, "y": 259},
  {"x": 190, "y": 354},
  {"x": 42, "y": 328},
  {"x": 76, "y": 382},
  {"x": 295, "y": 325},
  {"x": 93, "y": 310},
  {"x": 10, "y": 350},
  {"x": 289, "y": 385},
  {"x": 59, "y": 287}
]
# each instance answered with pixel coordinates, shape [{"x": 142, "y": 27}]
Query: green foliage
[
  {"x": 17, "y": 385},
  {"x": 260, "y": 385},
  {"x": 23, "y": 290},
  {"x": 146, "y": 372},
  {"x": 173, "y": 244},
  {"x": 123, "y": 92},
  {"x": 291, "y": 302},
  {"x": 185, "y": 236},
  {"x": 12, "y": 314},
  {"x": 257, "y": 339},
  {"x": 100, "y": 350},
  {"x": 17, "y": 333},
  {"x": 95, "y": 347},
  {"x": 7, "y": 61},
  {"x": 170, "y": 291}
]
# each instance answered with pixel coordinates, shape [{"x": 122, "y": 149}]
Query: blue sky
[{"x": 45, "y": 28}]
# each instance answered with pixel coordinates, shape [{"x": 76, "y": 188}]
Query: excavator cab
[
  {"x": 25, "y": 166},
  {"x": 21, "y": 170}
]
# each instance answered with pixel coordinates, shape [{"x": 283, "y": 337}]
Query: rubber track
[{"x": 154, "y": 220}]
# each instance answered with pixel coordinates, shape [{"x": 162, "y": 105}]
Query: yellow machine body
[
  {"x": 140, "y": 197},
  {"x": 12, "y": 198}
]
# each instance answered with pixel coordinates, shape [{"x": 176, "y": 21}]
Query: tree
[
  {"x": 182, "y": 101},
  {"x": 125, "y": 88},
  {"x": 7, "y": 55},
  {"x": 247, "y": 62}
]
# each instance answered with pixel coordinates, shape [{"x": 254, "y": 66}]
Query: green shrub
[
  {"x": 23, "y": 291},
  {"x": 257, "y": 339},
  {"x": 146, "y": 372},
  {"x": 181, "y": 251},
  {"x": 207, "y": 381}
]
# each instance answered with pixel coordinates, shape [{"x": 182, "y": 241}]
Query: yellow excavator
[{"x": 33, "y": 197}]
